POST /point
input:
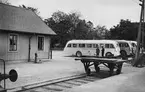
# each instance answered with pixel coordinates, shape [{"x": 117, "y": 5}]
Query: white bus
[
  {"x": 88, "y": 48},
  {"x": 125, "y": 49},
  {"x": 133, "y": 46}
]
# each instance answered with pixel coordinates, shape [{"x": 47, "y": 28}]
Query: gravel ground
[{"x": 58, "y": 67}]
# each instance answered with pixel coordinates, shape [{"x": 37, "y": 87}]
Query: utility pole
[
  {"x": 143, "y": 31},
  {"x": 140, "y": 32}
]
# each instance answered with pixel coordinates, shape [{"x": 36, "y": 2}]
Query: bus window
[
  {"x": 89, "y": 45},
  {"x": 106, "y": 45},
  {"x": 120, "y": 45},
  {"x": 95, "y": 45},
  {"x": 69, "y": 45},
  {"x": 134, "y": 45},
  {"x": 74, "y": 45},
  {"x": 101, "y": 45},
  {"x": 126, "y": 45},
  {"x": 82, "y": 45},
  {"x": 111, "y": 46}
]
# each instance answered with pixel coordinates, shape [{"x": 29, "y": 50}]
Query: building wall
[
  {"x": 23, "y": 48},
  {"x": 34, "y": 47},
  {"x": 3, "y": 45}
]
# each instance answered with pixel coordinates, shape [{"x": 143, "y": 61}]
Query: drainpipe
[
  {"x": 50, "y": 50},
  {"x": 29, "y": 48}
]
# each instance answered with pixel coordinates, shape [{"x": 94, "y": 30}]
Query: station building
[{"x": 23, "y": 34}]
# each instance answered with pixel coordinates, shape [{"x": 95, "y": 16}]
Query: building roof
[{"x": 18, "y": 19}]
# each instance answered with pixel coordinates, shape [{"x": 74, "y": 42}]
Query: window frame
[
  {"x": 74, "y": 45},
  {"x": 89, "y": 45},
  {"x": 43, "y": 43},
  {"x": 13, "y": 34},
  {"x": 69, "y": 45},
  {"x": 112, "y": 46},
  {"x": 82, "y": 45}
]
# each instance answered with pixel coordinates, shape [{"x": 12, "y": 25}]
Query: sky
[{"x": 101, "y": 12}]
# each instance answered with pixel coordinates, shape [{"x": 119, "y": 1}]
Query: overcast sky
[{"x": 100, "y": 12}]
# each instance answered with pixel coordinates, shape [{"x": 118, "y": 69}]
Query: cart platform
[{"x": 111, "y": 63}]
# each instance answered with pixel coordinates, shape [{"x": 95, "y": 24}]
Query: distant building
[{"x": 22, "y": 34}]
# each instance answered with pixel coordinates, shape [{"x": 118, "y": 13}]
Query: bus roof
[{"x": 92, "y": 41}]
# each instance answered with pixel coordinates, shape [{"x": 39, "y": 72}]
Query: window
[
  {"x": 13, "y": 42},
  {"x": 101, "y": 45},
  {"x": 81, "y": 45},
  {"x": 112, "y": 46},
  {"x": 69, "y": 45},
  {"x": 40, "y": 43},
  {"x": 74, "y": 45},
  {"x": 89, "y": 45},
  {"x": 95, "y": 45},
  {"x": 106, "y": 45},
  {"x": 121, "y": 44},
  {"x": 109, "y": 46},
  {"x": 134, "y": 45},
  {"x": 126, "y": 45}
]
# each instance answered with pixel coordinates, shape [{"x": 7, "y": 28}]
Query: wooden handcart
[{"x": 111, "y": 63}]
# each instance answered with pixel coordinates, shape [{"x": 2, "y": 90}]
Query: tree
[
  {"x": 124, "y": 30},
  {"x": 67, "y": 27},
  {"x": 101, "y": 31},
  {"x": 74, "y": 17},
  {"x": 30, "y": 8},
  {"x": 59, "y": 16},
  {"x": 60, "y": 23},
  {"x": 5, "y": 2},
  {"x": 70, "y": 26}
]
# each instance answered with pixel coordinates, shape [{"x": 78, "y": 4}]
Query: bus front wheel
[{"x": 78, "y": 54}]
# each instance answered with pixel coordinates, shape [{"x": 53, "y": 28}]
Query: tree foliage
[
  {"x": 102, "y": 31},
  {"x": 5, "y": 2},
  {"x": 124, "y": 30},
  {"x": 70, "y": 26},
  {"x": 30, "y": 8}
]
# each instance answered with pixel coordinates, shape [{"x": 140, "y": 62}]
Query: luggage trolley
[{"x": 111, "y": 63}]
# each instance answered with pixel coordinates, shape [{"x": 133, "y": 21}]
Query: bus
[
  {"x": 133, "y": 46},
  {"x": 88, "y": 48},
  {"x": 124, "y": 48},
  {"x": 127, "y": 48}
]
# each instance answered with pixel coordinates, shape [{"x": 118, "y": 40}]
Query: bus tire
[
  {"x": 109, "y": 54},
  {"x": 78, "y": 54},
  {"x": 123, "y": 54}
]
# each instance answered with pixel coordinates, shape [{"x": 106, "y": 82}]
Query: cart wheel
[
  {"x": 110, "y": 73},
  {"x": 88, "y": 71},
  {"x": 118, "y": 71},
  {"x": 97, "y": 69}
]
